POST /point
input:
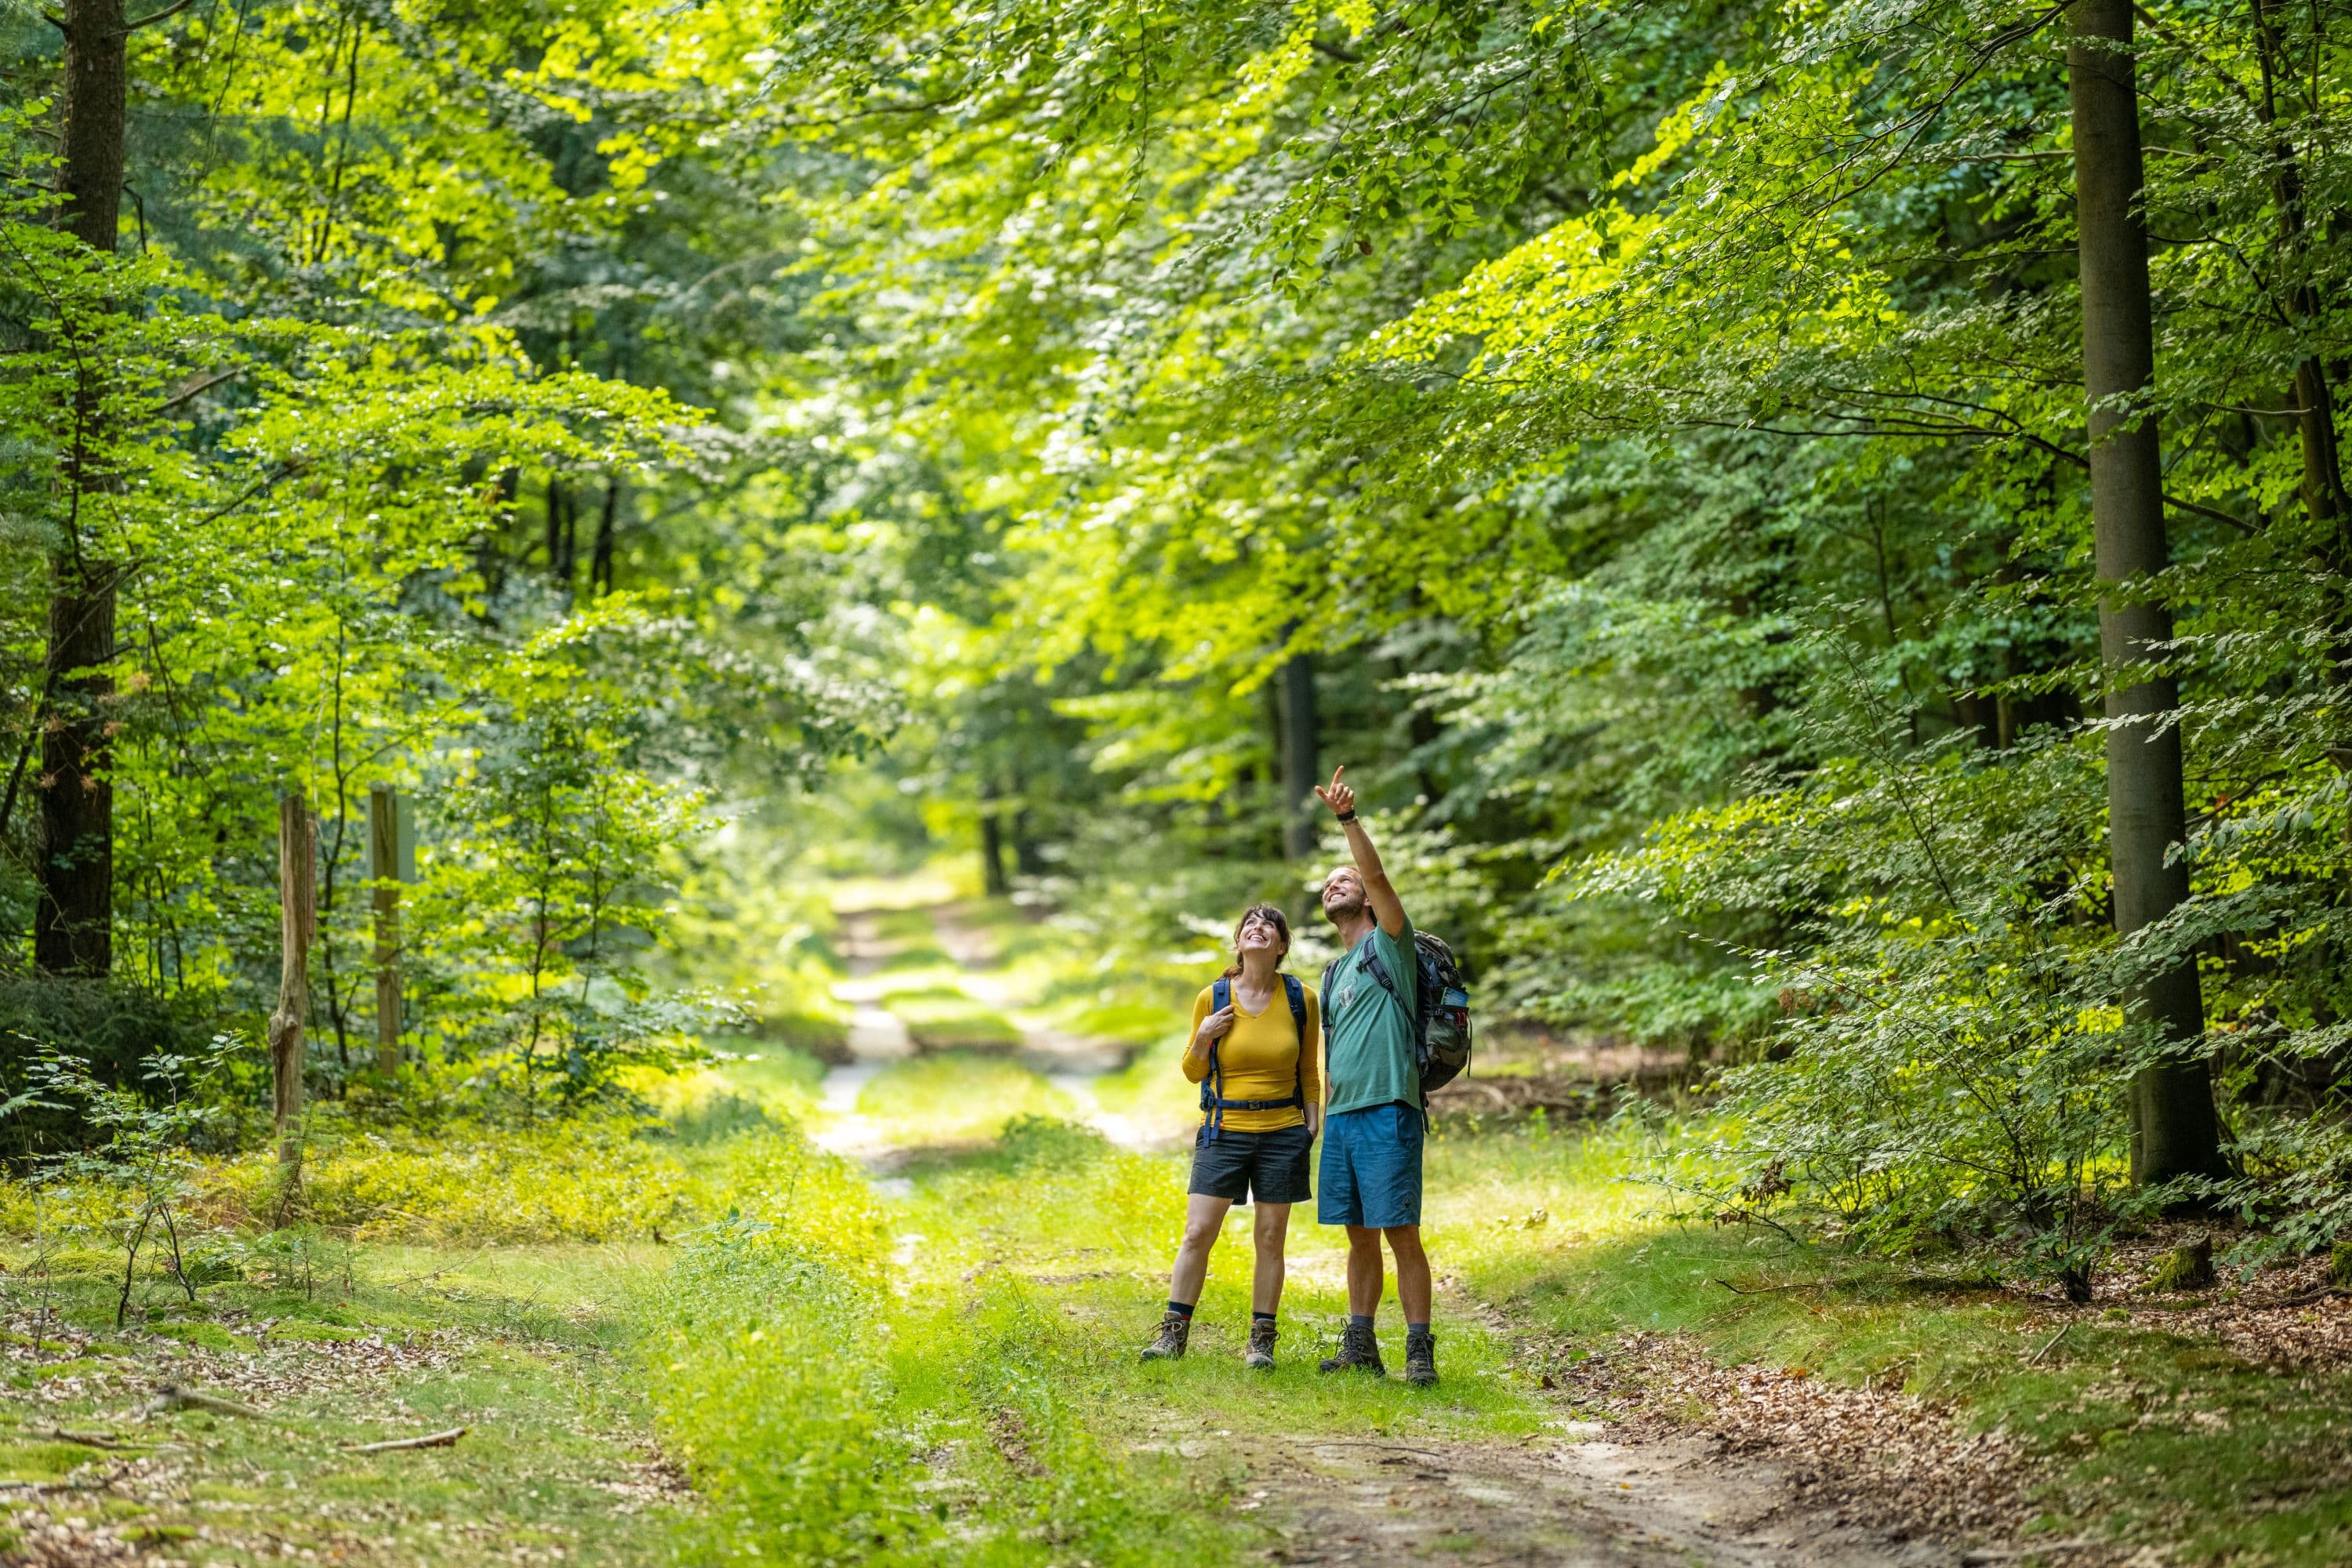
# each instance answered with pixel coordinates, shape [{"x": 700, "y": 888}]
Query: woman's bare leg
[
  {"x": 1272, "y": 1230},
  {"x": 1204, "y": 1217}
]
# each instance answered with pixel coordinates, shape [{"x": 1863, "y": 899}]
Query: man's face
[{"x": 1343, "y": 895}]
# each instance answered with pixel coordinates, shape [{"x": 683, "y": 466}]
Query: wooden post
[
  {"x": 298, "y": 881},
  {"x": 383, "y": 867}
]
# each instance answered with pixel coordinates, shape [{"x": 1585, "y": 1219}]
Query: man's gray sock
[
  {"x": 1416, "y": 1328},
  {"x": 1359, "y": 1321}
]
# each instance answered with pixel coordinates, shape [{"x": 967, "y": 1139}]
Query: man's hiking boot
[
  {"x": 1420, "y": 1357},
  {"x": 1358, "y": 1348},
  {"x": 1174, "y": 1329},
  {"x": 1260, "y": 1354}
]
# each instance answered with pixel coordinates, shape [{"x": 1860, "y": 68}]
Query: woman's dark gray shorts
[{"x": 1264, "y": 1167}]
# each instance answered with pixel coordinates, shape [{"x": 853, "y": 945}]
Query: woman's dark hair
[{"x": 1281, "y": 923}]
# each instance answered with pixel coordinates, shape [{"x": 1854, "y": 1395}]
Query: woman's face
[{"x": 1259, "y": 933}]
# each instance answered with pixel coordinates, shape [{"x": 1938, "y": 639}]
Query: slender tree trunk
[
  {"x": 73, "y": 922},
  {"x": 561, "y": 532},
  {"x": 599, "y": 564},
  {"x": 2173, "y": 1129},
  {"x": 991, "y": 844},
  {"x": 298, "y": 874},
  {"x": 1299, "y": 764},
  {"x": 384, "y": 858},
  {"x": 1028, "y": 855},
  {"x": 2324, "y": 500}
]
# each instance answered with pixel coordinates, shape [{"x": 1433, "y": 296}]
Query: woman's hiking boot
[
  {"x": 1358, "y": 1348},
  {"x": 1174, "y": 1329},
  {"x": 1260, "y": 1354},
  {"x": 1420, "y": 1357}
]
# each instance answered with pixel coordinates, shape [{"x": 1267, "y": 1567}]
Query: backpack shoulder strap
[
  {"x": 1212, "y": 1087},
  {"x": 1296, "y": 993}
]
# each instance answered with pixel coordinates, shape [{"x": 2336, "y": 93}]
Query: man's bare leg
[
  {"x": 1412, "y": 1271},
  {"x": 1364, "y": 1280},
  {"x": 1412, "y": 1294}
]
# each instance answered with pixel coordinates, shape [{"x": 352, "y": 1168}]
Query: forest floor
[{"x": 1616, "y": 1390}]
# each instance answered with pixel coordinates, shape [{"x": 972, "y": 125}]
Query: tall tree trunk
[
  {"x": 96, "y": 88},
  {"x": 561, "y": 531},
  {"x": 991, "y": 843},
  {"x": 1028, "y": 855},
  {"x": 383, "y": 863},
  {"x": 600, "y": 564},
  {"x": 2173, "y": 1129},
  {"x": 2324, "y": 500},
  {"x": 297, "y": 873},
  {"x": 1299, "y": 764},
  {"x": 73, "y": 922}
]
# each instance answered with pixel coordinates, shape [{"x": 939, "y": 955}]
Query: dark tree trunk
[
  {"x": 1300, "y": 763},
  {"x": 2324, "y": 500},
  {"x": 73, "y": 922},
  {"x": 2174, "y": 1128},
  {"x": 1028, "y": 856},
  {"x": 991, "y": 844},
  {"x": 599, "y": 564},
  {"x": 560, "y": 533},
  {"x": 96, "y": 86}
]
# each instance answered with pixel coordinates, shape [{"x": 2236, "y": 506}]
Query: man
[{"x": 1373, "y": 1122}]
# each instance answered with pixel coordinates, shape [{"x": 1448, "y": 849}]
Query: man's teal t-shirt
[{"x": 1372, "y": 1061}]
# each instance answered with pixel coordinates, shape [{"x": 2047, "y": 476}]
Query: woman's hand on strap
[{"x": 1213, "y": 1028}]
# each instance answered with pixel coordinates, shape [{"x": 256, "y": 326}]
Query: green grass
[
  {"x": 538, "y": 1380},
  {"x": 2156, "y": 1438}
]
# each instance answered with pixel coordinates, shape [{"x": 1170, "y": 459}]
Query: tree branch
[{"x": 149, "y": 20}]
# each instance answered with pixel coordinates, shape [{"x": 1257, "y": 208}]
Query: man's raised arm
[{"x": 1380, "y": 894}]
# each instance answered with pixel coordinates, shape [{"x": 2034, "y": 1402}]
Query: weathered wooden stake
[
  {"x": 384, "y": 865},
  {"x": 298, "y": 902}
]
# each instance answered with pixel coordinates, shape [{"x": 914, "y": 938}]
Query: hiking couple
[{"x": 1265, "y": 1098}]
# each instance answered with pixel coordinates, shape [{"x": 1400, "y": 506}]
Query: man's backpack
[
  {"x": 1441, "y": 1011},
  {"x": 1212, "y": 1087}
]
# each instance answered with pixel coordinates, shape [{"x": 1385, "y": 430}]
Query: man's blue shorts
[{"x": 1371, "y": 1166}]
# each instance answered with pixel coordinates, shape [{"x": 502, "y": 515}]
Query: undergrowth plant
[{"x": 136, "y": 1180}]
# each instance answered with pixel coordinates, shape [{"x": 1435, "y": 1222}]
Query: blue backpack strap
[
  {"x": 1296, "y": 993},
  {"x": 1212, "y": 1087}
]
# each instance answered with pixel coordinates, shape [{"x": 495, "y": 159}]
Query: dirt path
[
  {"x": 1769, "y": 1477},
  {"x": 1573, "y": 1499}
]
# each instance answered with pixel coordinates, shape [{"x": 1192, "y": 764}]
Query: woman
[{"x": 1252, "y": 1053}]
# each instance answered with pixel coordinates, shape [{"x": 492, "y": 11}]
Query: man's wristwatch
[{"x": 1344, "y": 815}]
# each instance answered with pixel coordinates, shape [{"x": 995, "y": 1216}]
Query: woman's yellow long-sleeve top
[{"x": 1261, "y": 1058}]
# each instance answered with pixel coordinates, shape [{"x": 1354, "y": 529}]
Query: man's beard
[{"x": 1337, "y": 910}]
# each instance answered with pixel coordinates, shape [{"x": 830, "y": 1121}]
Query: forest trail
[
  {"x": 1620, "y": 1492},
  {"x": 1576, "y": 1502},
  {"x": 877, "y": 1038},
  {"x": 1069, "y": 1064}
]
